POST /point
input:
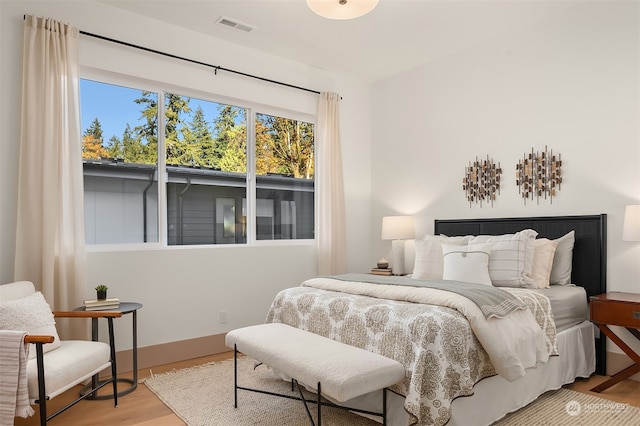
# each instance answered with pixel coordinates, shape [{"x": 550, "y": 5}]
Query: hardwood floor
[
  {"x": 139, "y": 408},
  {"x": 625, "y": 392},
  {"x": 143, "y": 408}
]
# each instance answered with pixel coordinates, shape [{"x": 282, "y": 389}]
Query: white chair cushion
[{"x": 70, "y": 364}]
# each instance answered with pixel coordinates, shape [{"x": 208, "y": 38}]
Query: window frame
[{"x": 252, "y": 108}]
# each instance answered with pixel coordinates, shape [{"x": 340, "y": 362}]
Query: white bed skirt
[{"x": 494, "y": 397}]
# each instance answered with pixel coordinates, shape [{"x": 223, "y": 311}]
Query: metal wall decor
[
  {"x": 481, "y": 181},
  {"x": 539, "y": 175}
]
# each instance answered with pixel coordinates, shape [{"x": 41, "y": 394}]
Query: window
[
  {"x": 284, "y": 178},
  {"x": 203, "y": 186},
  {"x": 206, "y": 156},
  {"x": 120, "y": 163}
]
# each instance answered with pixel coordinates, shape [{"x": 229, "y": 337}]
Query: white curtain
[
  {"x": 50, "y": 247},
  {"x": 331, "y": 212}
]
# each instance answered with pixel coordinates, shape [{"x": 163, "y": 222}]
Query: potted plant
[{"x": 102, "y": 291}]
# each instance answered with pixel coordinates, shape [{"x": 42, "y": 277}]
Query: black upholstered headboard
[{"x": 589, "y": 269}]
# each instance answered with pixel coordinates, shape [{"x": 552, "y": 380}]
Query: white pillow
[
  {"x": 428, "y": 263},
  {"x": 468, "y": 263},
  {"x": 511, "y": 261},
  {"x": 543, "y": 252},
  {"x": 33, "y": 315},
  {"x": 562, "y": 260}
]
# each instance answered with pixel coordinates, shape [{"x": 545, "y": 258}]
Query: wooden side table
[{"x": 620, "y": 309}]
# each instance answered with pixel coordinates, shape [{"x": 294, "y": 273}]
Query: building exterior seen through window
[{"x": 207, "y": 194}]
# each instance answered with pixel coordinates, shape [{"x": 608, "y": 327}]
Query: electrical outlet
[{"x": 224, "y": 317}]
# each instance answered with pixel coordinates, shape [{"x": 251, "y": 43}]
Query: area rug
[{"x": 203, "y": 396}]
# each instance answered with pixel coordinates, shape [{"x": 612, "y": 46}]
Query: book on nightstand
[
  {"x": 380, "y": 271},
  {"x": 102, "y": 307},
  {"x": 101, "y": 304}
]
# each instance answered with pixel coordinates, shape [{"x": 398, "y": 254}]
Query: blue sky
[{"x": 114, "y": 107}]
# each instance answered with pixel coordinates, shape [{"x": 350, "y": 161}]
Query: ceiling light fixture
[{"x": 342, "y": 9}]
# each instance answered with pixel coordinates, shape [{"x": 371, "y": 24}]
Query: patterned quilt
[{"x": 436, "y": 344}]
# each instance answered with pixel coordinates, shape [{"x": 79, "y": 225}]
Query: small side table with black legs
[{"x": 125, "y": 308}]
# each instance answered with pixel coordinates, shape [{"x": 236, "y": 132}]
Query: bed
[{"x": 453, "y": 378}]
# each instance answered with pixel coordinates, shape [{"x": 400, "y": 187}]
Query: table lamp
[
  {"x": 631, "y": 225},
  {"x": 397, "y": 229}
]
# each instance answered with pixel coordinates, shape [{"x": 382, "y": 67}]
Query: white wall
[
  {"x": 571, "y": 82},
  {"x": 184, "y": 288}
]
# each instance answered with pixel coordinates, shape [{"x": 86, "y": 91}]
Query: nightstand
[
  {"x": 125, "y": 308},
  {"x": 621, "y": 309}
]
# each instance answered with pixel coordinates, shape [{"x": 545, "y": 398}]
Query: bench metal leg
[
  {"x": 318, "y": 401},
  {"x": 306, "y": 406},
  {"x": 319, "y": 395},
  {"x": 235, "y": 376},
  {"x": 384, "y": 407}
]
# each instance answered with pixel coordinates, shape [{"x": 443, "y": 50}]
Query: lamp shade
[
  {"x": 631, "y": 225},
  {"x": 342, "y": 9},
  {"x": 397, "y": 227}
]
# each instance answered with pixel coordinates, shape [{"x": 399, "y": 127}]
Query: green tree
[
  {"x": 174, "y": 108},
  {"x": 132, "y": 149},
  {"x": 227, "y": 134},
  {"x": 115, "y": 148},
  {"x": 178, "y": 153},
  {"x": 147, "y": 133},
  {"x": 94, "y": 130},
  {"x": 235, "y": 156},
  {"x": 198, "y": 129},
  {"x": 198, "y": 140}
]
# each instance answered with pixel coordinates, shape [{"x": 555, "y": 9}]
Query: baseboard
[
  {"x": 166, "y": 353},
  {"x": 618, "y": 362}
]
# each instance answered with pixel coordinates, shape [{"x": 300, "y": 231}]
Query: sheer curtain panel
[
  {"x": 50, "y": 247},
  {"x": 331, "y": 213}
]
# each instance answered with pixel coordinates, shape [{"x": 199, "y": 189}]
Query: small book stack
[
  {"x": 381, "y": 271},
  {"x": 101, "y": 304}
]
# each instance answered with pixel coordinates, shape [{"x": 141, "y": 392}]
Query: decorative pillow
[
  {"x": 543, "y": 251},
  {"x": 429, "y": 263},
  {"x": 33, "y": 315},
  {"x": 468, "y": 263},
  {"x": 563, "y": 259},
  {"x": 511, "y": 261}
]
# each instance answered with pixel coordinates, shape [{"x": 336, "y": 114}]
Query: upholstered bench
[{"x": 335, "y": 370}]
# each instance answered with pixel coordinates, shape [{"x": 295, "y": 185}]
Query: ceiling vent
[{"x": 233, "y": 23}]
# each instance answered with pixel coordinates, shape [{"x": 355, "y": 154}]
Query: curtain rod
[{"x": 216, "y": 68}]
